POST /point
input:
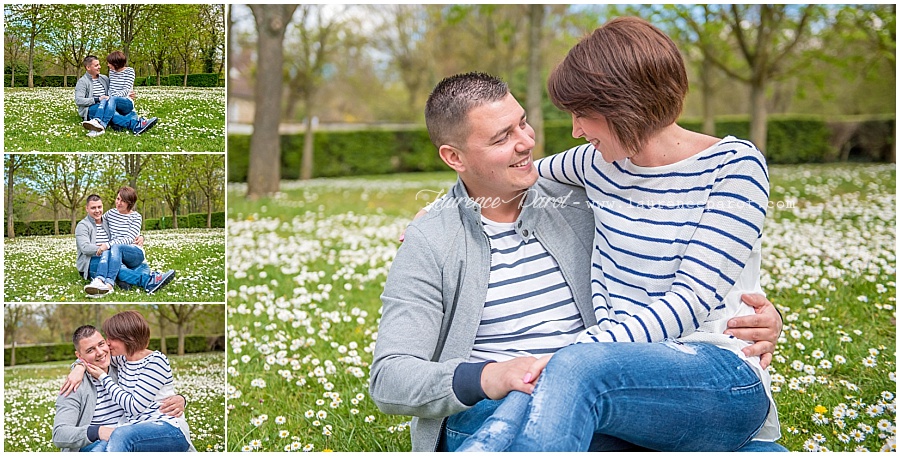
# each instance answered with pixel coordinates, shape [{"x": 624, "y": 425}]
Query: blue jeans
[
  {"x": 663, "y": 396},
  {"x": 113, "y": 259},
  {"x": 149, "y": 436},
  {"x": 139, "y": 276},
  {"x": 113, "y": 105},
  {"x": 128, "y": 121}
]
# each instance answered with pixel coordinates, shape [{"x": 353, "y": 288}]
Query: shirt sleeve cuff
[
  {"x": 93, "y": 432},
  {"x": 467, "y": 382}
]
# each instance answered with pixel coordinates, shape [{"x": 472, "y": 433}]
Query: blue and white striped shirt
[
  {"x": 674, "y": 245},
  {"x": 97, "y": 89},
  {"x": 123, "y": 229},
  {"x": 121, "y": 83},
  {"x": 142, "y": 384},
  {"x": 100, "y": 236},
  {"x": 529, "y": 308},
  {"x": 106, "y": 411}
]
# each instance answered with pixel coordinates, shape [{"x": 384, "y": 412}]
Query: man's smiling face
[{"x": 94, "y": 350}]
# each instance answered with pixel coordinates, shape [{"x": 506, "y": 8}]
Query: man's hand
[
  {"x": 172, "y": 405},
  {"x": 762, "y": 328},
  {"x": 73, "y": 380},
  {"x": 102, "y": 248},
  {"x": 498, "y": 379},
  {"x": 105, "y": 432},
  {"x": 139, "y": 241},
  {"x": 104, "y": 97}
]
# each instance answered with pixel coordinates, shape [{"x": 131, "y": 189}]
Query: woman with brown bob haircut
[
  {"x": 145, "y": 378},
  {"x": 679, "y": 218}
]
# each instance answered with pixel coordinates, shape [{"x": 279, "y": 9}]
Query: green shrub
[
  {"x": 218, "y": 219},
  {"x": 151, "y": 224},
  {"x": 21, "y": 80},
  {"x": 203, "y": 80},
  {"x": 41, "y": 353}
]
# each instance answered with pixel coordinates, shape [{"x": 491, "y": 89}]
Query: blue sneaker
[
  {"x": 159, "y": 280},
  {"x": 144, "y": 125}
]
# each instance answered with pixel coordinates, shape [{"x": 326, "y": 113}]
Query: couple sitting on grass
[
  {"x": 103, "y": 100},
  {"x": 111, "y": 248},
  {"x": 120, "y": 396}
]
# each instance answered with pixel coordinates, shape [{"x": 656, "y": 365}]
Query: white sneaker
[
  {"x": 94, "y": 133},
  {"x": 96, "y": 288},
  {"x": 97, "y": 125}
]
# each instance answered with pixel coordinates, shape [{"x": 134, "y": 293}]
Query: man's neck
[{"x": 501, "y": 210}]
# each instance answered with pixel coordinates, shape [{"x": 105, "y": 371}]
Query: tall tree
[
  {"x": 311, "y": 43},
  {"x": 535, "y": 84},
  {"x": 184, "y": 38},
  {"x": 264, "y": 172},
  {"x": 404, "y": 34},
  {"x": 48, "y": 172},
  {"x": 13, "y": 49},
  {"x": 14, "y": 316},
  {"x": 208, "y": 172},
  {"x": 128, "y": 23},
  {"x": 70, "y": 35},
  {"x": 767, "y": 38},
  {"x": 133, "y": 164},
  {"x": 79, "y": 174},
  {"x": 172, "y": 179},
  {"x": 30, "y": 21},
  {"x": 13, "y": 164},
  {"x": 180, "y": 315}
]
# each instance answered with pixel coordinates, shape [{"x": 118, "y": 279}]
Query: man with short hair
[
  {"x": 498, "y": 274},
  {"x": 91, "y": 238},
  {"x": 92, "y": 88},
  {"x": 88, "y": 415}
]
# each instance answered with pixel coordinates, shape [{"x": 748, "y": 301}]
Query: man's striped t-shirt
[{"x": 529, "y": 308}]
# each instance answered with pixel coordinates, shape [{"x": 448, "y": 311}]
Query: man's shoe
[
  {"x": 145, "y": 125},
  {"x": 96, "y": 288},
  {"x": 94, "y": 133},
  {"x": 159, "y": 280},
  {"x": 93, "y": 125}
]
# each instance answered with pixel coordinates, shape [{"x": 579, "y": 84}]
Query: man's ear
[{"x": 452, "y": 157}]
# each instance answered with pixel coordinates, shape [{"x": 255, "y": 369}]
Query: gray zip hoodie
[{"x": 435, "y": 293}]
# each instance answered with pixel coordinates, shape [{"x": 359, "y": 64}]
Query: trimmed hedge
[
  {"x": 29, "y": 354},
  {"x": 195, "y": 220},
  {"x": 194, "y": 80},
  {"x": 45, "y": 227},
  {"x": 791, "y": 139}
]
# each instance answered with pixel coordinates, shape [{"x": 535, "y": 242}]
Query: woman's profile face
[
  {"x": 121, "y": 205},
  {"x": 116, "y": 347}
]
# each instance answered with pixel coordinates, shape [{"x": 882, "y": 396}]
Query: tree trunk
[
  {"x": 535, "y": 86},
  {"x": 162, "y": 333},
  {"x": 709, "y": 115},
  {"x": 10, "y": 226},
  {"x": 181, "y": 339},
  {"x": 174, "y": 217},
  {"x": 208, "y": 212},
  {"x": 185, "y": 72},
  {"x": 55, "y": 221},
  {"x": 72, "y": 218},
  {"x": 31, "y": 61},
  {"x": 65, "y": 74},
  {"x": 12, "y": 353},
  {"x": 264, "y": 171},
  {"x": 758, "y": 115},
  {"x": 306, "y": 168}
]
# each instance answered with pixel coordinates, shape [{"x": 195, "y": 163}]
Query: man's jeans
[
  {"x": 129, "y": 121},
  {"x": 113, "y": 105},
  {"x": 626, "y": 396},
  {"x": 139, "y": 276},
  {"x": 149, "y": 436},
  {"x": 111, "y": 263}
]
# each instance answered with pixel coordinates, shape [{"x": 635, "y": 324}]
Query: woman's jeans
[
  {"x": 112, "y": 260},
  {"x": 138, "y": 276},
  {"x": 149, "y": 436},
  {"x": 111, "y": 106},
  {"x": 628, "y": 396}
]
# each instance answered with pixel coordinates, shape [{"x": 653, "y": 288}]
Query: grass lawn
[
  {"x": 307, "y": 266},
  {"x": 42, "y": 268},
  {"x": 30, "y": 394},
  {"x": 45, "y": 119}
]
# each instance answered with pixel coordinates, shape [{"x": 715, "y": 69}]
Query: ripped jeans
[{"x": 631, "y": 396}]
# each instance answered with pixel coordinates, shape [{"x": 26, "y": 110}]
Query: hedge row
[
  {"x": 194, "y": 80},
  {"x": 791, "y": 139},
  {"x": 45, "y": 227},
  {"x": 29, "y": 354}
]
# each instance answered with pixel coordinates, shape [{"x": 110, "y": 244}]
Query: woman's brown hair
[{"x": 130, "y": 328}]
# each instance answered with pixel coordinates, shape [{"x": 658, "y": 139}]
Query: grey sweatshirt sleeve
[
  {"x": 66, "y": 431},
  {"x": 83, "y": 240},
  {"x": 83, "y": 96},
  {"x": 404, "y": 379}
]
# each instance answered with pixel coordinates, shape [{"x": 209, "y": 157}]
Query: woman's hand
[
  {"x": 94, "y": 370},
  {"x": 762, "y": 328},
  {"x": 73, "y": 380}
]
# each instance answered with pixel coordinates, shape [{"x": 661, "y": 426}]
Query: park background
[
  {"x": 177, "y": 52},
  {"x": 813, "y": 85},
  {"x": 39, "y": 352},
  {"x": 181, "y": 198}
]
